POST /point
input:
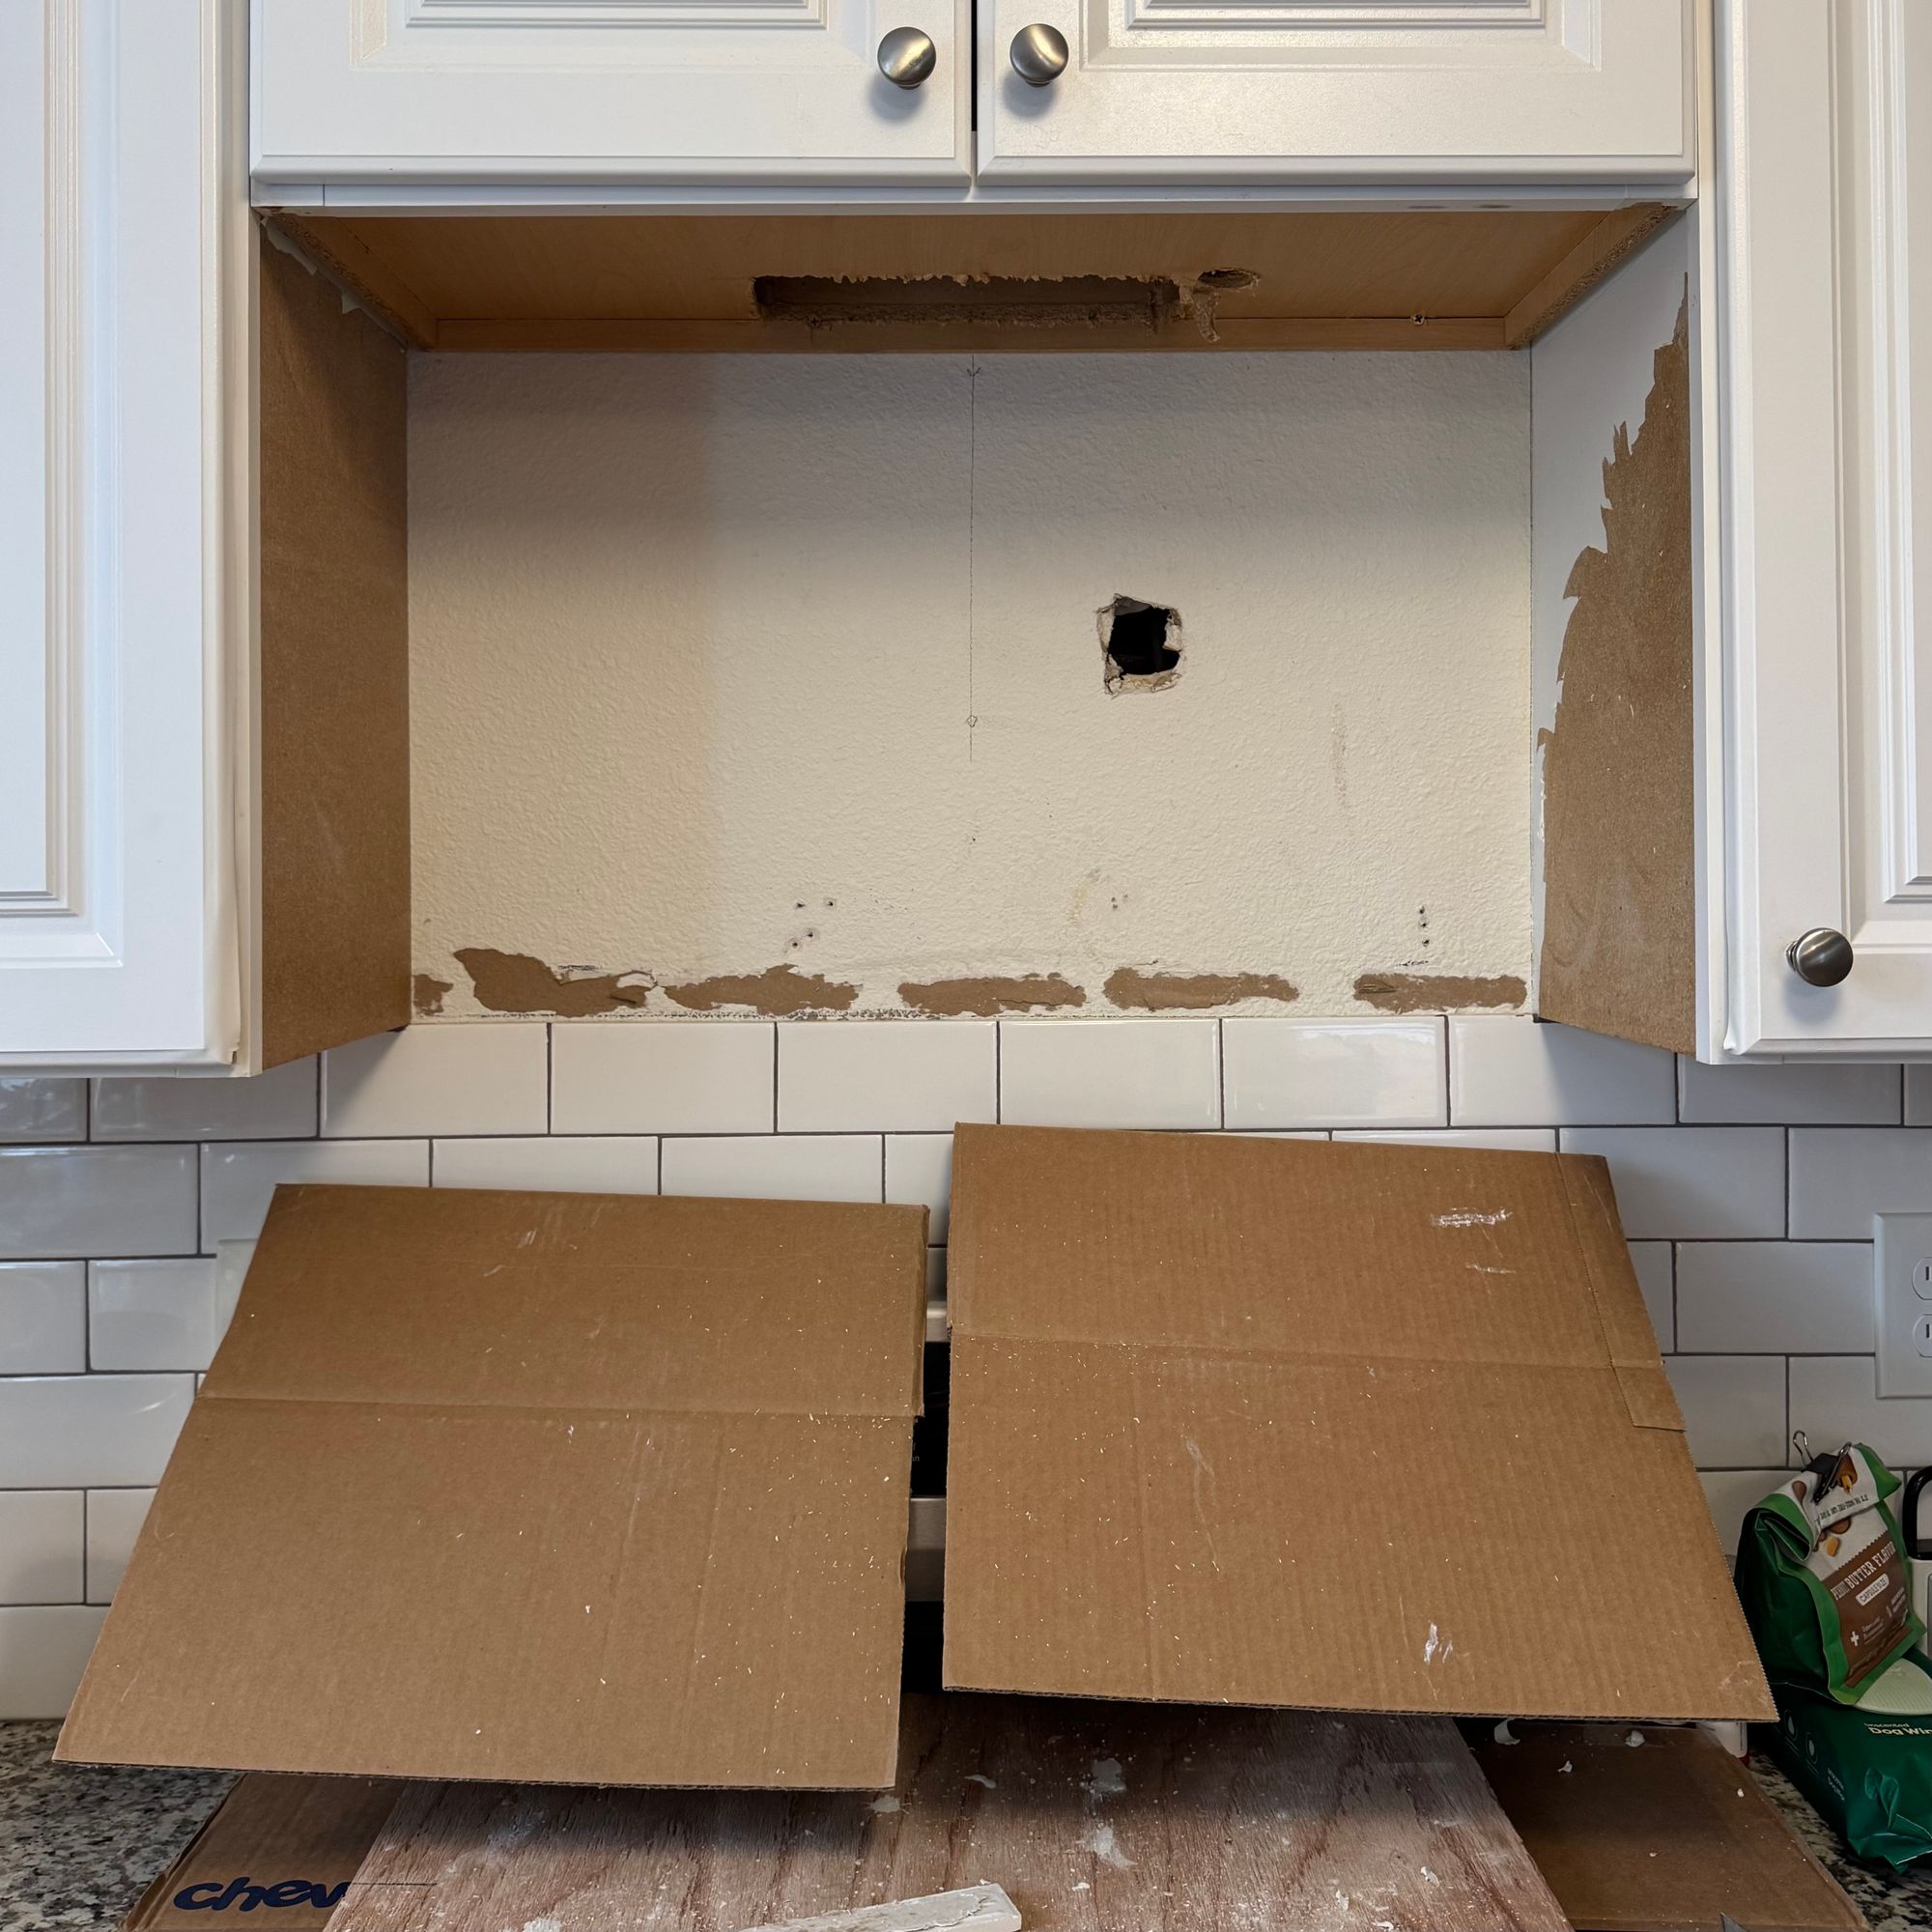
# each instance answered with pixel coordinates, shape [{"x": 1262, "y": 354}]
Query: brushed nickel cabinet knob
[
  {"x": 1039, "y": 54},
  {"x": 907, "y": 57},
  {"x": 1820, "y": 957}
]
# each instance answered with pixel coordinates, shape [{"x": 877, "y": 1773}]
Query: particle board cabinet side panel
[
  {"x": 1612, "y": 654},
  {"x": 334, "y": 736}
]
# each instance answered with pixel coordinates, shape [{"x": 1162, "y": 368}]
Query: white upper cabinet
[
  {"x": 1824, "y": 268},
  {"x": 116, "y": 914},
  {"x": 769, "y": 92},
  {"x": 1347, "y": 91}
]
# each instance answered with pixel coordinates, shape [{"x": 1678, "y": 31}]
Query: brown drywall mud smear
[
  {"x": 513, "y": 983},
  {"x": 335, "y": 670},
  {"x": 952, "y": 998},
  {"x": 1436, "y": 992},
  {"x": 430, "y": 994},
  {"x": 1193, "y": 992},
  {"x": 1619, "y": 944},
  {"x": 779, "y": 992}
]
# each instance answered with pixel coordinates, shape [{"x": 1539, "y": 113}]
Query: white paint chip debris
[
  {"x": 1104, "y": 1779},
  {"x": 1635, "y": 1739},
  {"x": 885, "y": 1803},
  {"x": 1105, "y": 1847},
  {"x": 980, "y": 1777},
  {"x": 1566, "y": 1764},
  {"x": 1472, "y": 1217},
  {"x": 1503, "y": 1735}
]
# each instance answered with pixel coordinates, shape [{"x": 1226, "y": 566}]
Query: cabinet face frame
[
  {"x": 1818, "y": 245},
  {"x": 117, "y": 944},
  {"x": 627, "y": 91}
]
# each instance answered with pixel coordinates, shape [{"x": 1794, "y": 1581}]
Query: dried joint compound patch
[
  {"x": 430, "y": 992},
  {"x": 1154, "y": 992},
  {"x": 1437, "y": 992},
  {"x": 780, "y": 992},
  {"x": 1139, "y": 645},
  {"x": 513, "y": 983},
  {"x": 981, "y": 998}
]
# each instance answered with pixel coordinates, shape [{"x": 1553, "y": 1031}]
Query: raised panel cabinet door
[
  {"x": 1824, "y": 434},
  {"x": 1343, "y": 91},
  {"x": 115, "y": 914},
  {"x": 622, "y": 91}
]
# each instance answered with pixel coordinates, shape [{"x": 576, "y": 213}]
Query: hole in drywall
[{"x": 1140, "y": 644}]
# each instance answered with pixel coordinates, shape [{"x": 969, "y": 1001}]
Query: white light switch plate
[{"x": 1902, "y": 1270}]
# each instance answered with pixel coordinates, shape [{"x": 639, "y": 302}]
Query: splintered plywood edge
[
  {"x": 1086, "y": 1816},
  {"x": 1619, "y": 928},
  {"x": 335, "y": 672}
]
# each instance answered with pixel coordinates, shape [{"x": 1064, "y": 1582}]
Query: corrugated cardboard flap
[
  {"x": 573, "y": 1488},
  {"x": 1275, "y": 1422}
]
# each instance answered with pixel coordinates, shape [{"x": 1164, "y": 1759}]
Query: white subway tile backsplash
[
  {"x": 1499, "y": 1139},
  {"x": 919, "y": 1170},
  {"x": 274, "y": 1106},
  {"x": 465, "y": 1077},
  {"x": 1744, "y": 1314},
  {"x": 1733, "y": 1409},
  {"x": 1651, "y": 1261},
  {"x": 567, "y": 1163},
  {"x": 1791, "y": 1094},
  {"x": 1692, "y": 1183},
  {"x": 1841, "y": 1177},
  {"x": 1732, "y": 1494},
  {"x": 42, "y": 1318},
  {"x": 57, "y": 1201},
  {"x": 777, "y": 1167},
  {"x": 89, "y": 1432},
  {"x": 1512, "y": 1072},
  {"x": 43, "y": 1653},
  {"x": 695, "y": 1077},
  {"x": 33, "y": 1109},
  {"x": 906, "y": 1077},
  {"x": 41, "y": 1537},
  {"x": 230, "y": 1270},
  {"x": 114, "y": 1519},
  {"x": 1835, "y": 1400},
  {"x": 1784, "y": 1297},
  {"x": 151, "y": 1315},
  {"x": 1110, "y": 1073},
  {"x": 237, "y": 1182},
  {"x": 1335, "y": 1073}
]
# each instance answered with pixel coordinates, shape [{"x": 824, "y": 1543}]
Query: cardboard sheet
[
  {"x": 558, "y": 1487},
  {"x": 293, "y": 1845},
  {"x": 1669, "y": 1836},
  {"x": 1306, "y": 1423}
]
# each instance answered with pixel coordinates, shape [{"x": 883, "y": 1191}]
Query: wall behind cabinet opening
[{"x": 776, "y": 683}]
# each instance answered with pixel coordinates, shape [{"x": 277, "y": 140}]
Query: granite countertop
[{"x": 77, "y": 1845}]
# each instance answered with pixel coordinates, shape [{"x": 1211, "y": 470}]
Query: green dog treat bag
[{"x": 1824, "y": 1579}]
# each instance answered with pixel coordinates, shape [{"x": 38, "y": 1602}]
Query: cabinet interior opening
[{"x": 648, "y": 684}]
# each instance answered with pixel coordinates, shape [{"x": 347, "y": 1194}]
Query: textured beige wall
[{"x": 787, "y": 672}]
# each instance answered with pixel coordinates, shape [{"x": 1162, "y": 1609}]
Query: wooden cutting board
[{"x": 1146, "y": 1818}]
